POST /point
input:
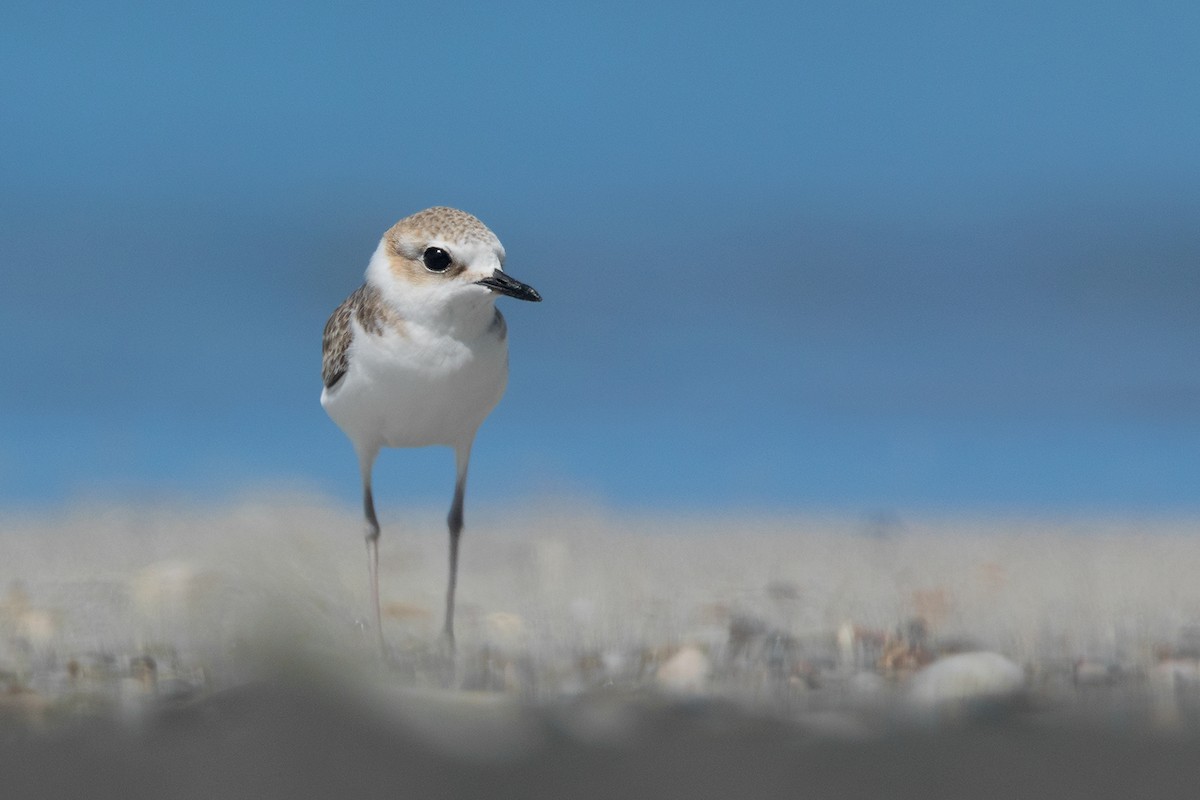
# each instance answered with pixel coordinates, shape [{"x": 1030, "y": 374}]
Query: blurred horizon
[{"x": 934, "y": 258}]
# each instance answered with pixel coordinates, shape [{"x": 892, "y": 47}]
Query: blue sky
[{"x": 935, "y": 256}]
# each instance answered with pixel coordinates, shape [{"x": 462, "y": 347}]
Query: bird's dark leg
[
  {"x": 372, "y": 549},
  {"x": 454, "y": 521}
]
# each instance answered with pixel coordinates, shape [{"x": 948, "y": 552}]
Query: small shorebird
[{"x": 418, "y": 355}]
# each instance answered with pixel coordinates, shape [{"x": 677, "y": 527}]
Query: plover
[{"x": 418, "y": 355}]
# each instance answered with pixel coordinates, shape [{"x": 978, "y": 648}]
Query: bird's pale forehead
[{"x": 447, "y": 224}]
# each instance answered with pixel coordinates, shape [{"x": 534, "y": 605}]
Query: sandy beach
[{"x": 177, "y": 651}]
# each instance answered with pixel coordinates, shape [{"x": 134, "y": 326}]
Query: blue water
[
  {"x": 862, "y": 367},
  {"x": 862, "y": 257}
]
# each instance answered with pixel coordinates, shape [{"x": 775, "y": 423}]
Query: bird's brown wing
[
  {"x": 335, "y": 343},
  {"x": 374, "y": 316}
]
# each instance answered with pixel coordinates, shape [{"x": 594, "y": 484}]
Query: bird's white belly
[{"x": 398, "y": 394}]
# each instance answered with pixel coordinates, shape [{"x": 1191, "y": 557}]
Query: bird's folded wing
[{"x": 335, "y": 343}]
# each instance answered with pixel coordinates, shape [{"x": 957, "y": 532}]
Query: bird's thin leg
[
  {"x": 454, "y": 521},
  {"x": 372, "y": 548}
]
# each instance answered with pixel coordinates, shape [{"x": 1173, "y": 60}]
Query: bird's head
[{"x": 443, "y": 258}]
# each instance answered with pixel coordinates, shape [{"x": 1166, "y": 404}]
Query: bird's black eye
[{"x": 436, "y": 259}]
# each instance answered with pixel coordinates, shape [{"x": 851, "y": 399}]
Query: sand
[{"x": 176, "y": 651}]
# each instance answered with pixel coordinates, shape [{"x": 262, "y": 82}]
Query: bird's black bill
[{"x": 499, "y": 282}]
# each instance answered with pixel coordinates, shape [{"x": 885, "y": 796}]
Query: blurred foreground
[{"x": 187, "y": 652}]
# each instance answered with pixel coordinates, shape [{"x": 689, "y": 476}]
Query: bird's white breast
[{"x": 418, "y": 385}]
